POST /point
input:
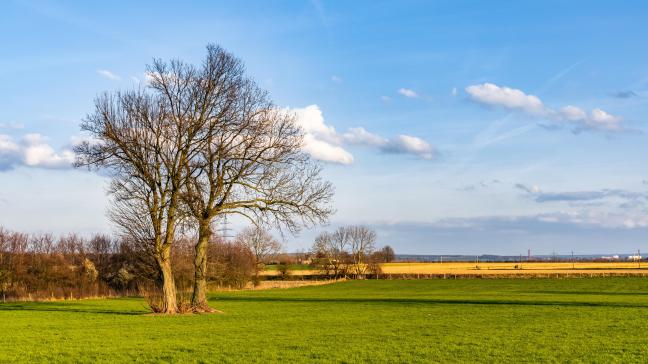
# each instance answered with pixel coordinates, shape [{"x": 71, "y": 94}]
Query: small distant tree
[
  {"x": 362, "y": 242},
  {"x": 374, "y": 265},
  {"x": 330, "y": 252},
  {"x": 347, "y": 248},
  {"x": 283, "y": 270},
  {"x": 261, "y": 244},
  {"x": 385, "y": 255}
]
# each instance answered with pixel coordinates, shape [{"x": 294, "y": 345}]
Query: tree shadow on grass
[
  {"x": 593, "y": 293},
  {"x": 66, "y": 308},
  {"x": 433, "y": 301}
]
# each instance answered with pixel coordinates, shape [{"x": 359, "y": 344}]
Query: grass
[{"x": 500, "y": 320}]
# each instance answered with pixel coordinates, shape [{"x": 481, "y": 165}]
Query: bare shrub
[
  {"x": 261, "y": 244},
  {"x": 231, "y": 264}
]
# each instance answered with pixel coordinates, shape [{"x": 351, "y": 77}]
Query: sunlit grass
[{"x": 600, "y": 319}]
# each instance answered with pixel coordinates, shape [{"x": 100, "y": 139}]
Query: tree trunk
[
  {"x": 199, "y": 297},
  {"x": 169, "y": 300}
]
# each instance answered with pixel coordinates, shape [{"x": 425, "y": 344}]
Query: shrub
[{"x": 283, "y": 268}]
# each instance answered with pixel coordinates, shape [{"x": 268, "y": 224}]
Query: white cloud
[
  {"x": 385, "y": 98},
  {"x": 600, "y": 119},
  {"x": 572, "y": 113},
  {"x": 32, "y": 151},
  {"x": 109, "y": 75},
  {"x": 491, "y": 94},
  {"x": 401, "y": 144},
  {"x": 406, "y": 144},
  {"x": 516, "y": 100},
  {"x": 360, "y": 135},
  {"x": 323, "y": 142},
  {"x": 310, "y": 119},
  {"x": 7, "y": 145},
  {"x": 9, "y": 152},
  {"x": 454, "y": 91},
  {"x": 408, "y": 92},
  {"x": 37, "y": 153},
  {"x": 325, "y": 151},
  {"x": 336, "y": 79}
]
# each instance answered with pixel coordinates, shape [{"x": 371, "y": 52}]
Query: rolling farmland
[{"x": 502, "y": 268}]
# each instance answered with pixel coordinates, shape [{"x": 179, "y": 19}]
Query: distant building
[{"x": 634, "y": 258}]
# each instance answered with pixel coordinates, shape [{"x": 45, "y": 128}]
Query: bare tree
[
  {"x": 348, "y": 246},
  {"x": 361, "y": 242},
  {"x": 199, "y": 143},
  {"x": 331, "y": 250},
  {"x": 385, "y": 255},
  {"x": 261, "y": 244},
  {"x": 144, "y": 139},
  {"x": 250, "y": 161}
]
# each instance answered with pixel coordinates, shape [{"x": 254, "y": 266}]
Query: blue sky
[{"x": 451, "y": 127}]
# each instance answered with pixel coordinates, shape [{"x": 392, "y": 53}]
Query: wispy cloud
[
  {"x": 481, "y": 185},
  {"x": 336, "y": 79},
  {"x": 517, "y": 100},
  {"x": 543, "y": 233},
  {"x": 408, "y": 92},
  {"x": 108, "y": 74},
  {"x": 538, "y": 195},
  {"x": 12, "y": 125},
  {"x": 624, "y": 94}
]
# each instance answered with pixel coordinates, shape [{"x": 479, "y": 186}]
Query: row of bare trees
[
  {"x": 197, "y": 143},
  {"x": 42, "y": 266},
  {"x": 349, "y": 250}
]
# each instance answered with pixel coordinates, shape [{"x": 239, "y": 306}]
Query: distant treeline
[
  {"x": 43, "y": 266},
  {"x": 514, "y": 258}
]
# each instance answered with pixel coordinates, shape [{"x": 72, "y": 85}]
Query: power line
[{"x": 225, "y": 231}]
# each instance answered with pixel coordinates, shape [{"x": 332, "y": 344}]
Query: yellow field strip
[{"x": 531, "y": 268}]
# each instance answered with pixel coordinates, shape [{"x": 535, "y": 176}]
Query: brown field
[{"x": 499, "y": 268}]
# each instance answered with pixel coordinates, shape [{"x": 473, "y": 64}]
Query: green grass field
[{"x": 501, "y": 320}]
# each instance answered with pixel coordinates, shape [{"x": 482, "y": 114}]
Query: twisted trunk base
[
  {"x": 199, "y": 296},
  {"x": 169, "y": 298}
]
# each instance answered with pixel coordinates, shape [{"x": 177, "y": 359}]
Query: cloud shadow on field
[{"x": 433, "y": 301}]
